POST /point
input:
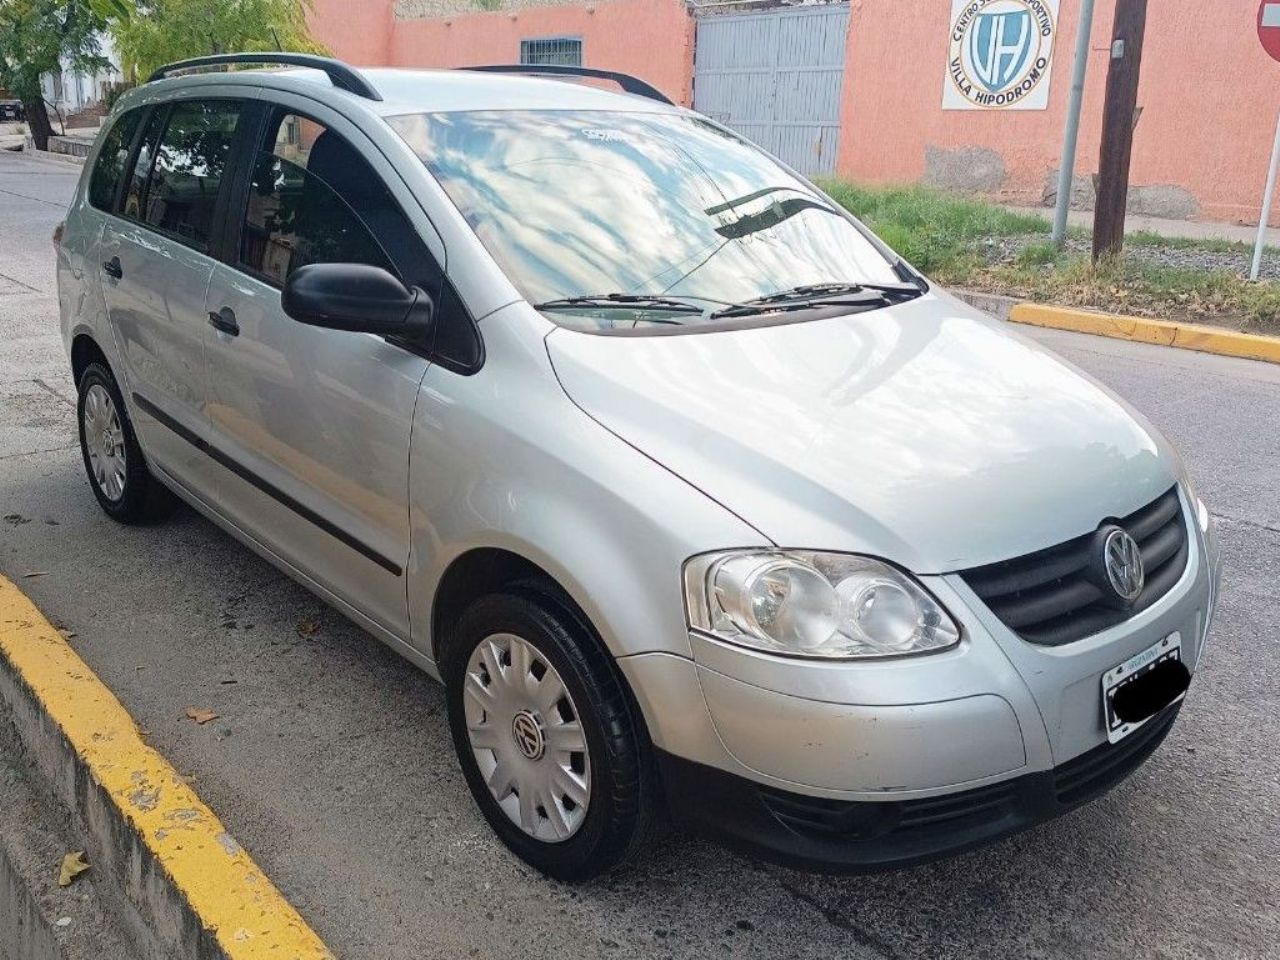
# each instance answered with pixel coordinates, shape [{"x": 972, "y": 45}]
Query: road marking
[
  {"x": 232, "y": 898},
  {"x": 1185, "y": 336}
]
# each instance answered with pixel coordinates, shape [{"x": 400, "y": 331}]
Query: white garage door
[{"x": 775, "y": 77}]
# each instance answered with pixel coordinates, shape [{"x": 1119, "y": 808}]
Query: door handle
[
  {"x": 112, "y": 268},
  {"x": 224, "y": 321}
]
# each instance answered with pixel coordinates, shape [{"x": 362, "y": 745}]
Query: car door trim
[{"x": 270, "y": 489}]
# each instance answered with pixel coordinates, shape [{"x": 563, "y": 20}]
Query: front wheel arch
[{"x": 481, "y": 571}]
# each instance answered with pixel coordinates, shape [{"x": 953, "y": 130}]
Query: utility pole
[
  {"x": 1118, "y": 119},
  {"x": 1066, "y": 171}
]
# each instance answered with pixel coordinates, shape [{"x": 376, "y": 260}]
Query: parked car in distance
[
  {"x": 691, "y": 491},
  {"x": 11, "y": 110}
]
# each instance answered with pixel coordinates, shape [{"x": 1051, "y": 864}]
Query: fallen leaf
[
  {"x": 73, "y": 864},
  {"x": 200, "y": 716},
  {"x": 35, "y": 573},
  {"x": 308, "y": 628}
]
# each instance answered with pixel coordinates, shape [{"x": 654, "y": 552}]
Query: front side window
[
  {"x": 108, "y": 170},
  {"x": 190, "y": 161},
  {"x": 587, "y": 203},
  {"x": 307, "y": 185}
]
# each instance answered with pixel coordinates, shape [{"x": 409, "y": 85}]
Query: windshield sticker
[{"x": 605, "y": 136}]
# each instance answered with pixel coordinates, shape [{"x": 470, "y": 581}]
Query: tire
[
  {"x": 113, "y": 460},
  {"x": 614, "y": 772}
]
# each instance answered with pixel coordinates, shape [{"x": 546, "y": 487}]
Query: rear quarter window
[{"x": 108, "y": 169}]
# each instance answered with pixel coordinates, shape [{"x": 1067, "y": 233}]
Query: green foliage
[
  {"x": 938, "y": 232},
  {"x": 1149, "y": 238},
  {"x": 156, "y": 32},
  {"x": 918, "y": 208},
  {"x": 1038, "y": 254},
  {"x": 953, "y": 240},
  {"x": 37, "y": 35}
]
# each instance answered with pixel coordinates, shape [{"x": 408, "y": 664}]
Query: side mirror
[{"x": 356, "y": 297}]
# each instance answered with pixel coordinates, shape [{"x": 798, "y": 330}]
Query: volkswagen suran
[{"x": 695, "y": 496}]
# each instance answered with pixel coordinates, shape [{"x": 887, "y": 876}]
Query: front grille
[
  {"x": 1047, "y": 597},
  {"x": 1097, "y": 771}
]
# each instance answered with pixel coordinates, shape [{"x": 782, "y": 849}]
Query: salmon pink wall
[
  {"x": 358, "y": 31},
  {"x": 1209, "y": 97},
  {"x": 1209, "y": 94},
  {"x": 652, "y": 39}
]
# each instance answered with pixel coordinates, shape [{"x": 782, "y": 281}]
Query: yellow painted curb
[
  {"x": 232, "y": 898},
  {"x": 1186, "y": 336}
]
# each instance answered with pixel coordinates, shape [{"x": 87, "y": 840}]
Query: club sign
[{"x": 1000, "y": 54}]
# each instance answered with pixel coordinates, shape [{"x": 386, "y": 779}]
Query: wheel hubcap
[
  {"x": 104, "y": 442},
  {"x": 526, "y": 737}
]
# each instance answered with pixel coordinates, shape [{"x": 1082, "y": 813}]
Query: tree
[
  {"x": 36, "y": 38},
  {"x": 157, "y": 32}
]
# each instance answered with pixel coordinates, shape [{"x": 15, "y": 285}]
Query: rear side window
[
  {"x": 187, "y": 174},
  {"x": 108, "y": 171},
  {"x": 142, "y": 165},
  {"x": 307, "y": 185}
]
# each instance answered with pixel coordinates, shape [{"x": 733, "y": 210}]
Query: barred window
[{"x": 552, "y": 51}]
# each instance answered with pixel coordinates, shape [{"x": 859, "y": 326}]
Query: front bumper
[
  {"x": 860, "y": 766},
  {"x": 838, "y": 836}
]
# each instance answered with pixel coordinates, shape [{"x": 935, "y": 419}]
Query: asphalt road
[{"x": 332, "y": 765}]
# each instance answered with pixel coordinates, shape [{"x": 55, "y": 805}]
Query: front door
[
  {"x": 312, "y": 426},
  {"x": 156, "y": 267}
]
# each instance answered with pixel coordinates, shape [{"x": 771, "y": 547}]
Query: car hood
[{"x": 925, "y": 433}]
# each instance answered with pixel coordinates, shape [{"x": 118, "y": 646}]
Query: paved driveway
[{"x": 331, "y": 762}]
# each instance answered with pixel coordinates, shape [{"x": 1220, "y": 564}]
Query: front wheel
[{"x": 546, "y": 738}]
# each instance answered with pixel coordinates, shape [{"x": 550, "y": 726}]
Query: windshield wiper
[
  {"x": 820, "y": 295},
  {"x": 642, "y": 301}
]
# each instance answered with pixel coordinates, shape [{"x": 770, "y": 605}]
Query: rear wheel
[
  {"x": 545, "y": 736},
  {"x": 112, "y": 458}
]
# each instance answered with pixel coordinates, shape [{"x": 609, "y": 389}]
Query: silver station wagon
[{"x": 696, "y": 497}]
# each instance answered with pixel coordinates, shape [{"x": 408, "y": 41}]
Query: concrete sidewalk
[{"x": 1186, "y": 229}]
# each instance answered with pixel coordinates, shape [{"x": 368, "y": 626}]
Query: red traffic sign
[{"x": 1269, "y": 27}]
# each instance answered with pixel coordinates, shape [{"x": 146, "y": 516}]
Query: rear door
[
  {"x": 312, "y": 426},
  {"x": 80, "y": 280},
  {"x": 156, "y": 266}
]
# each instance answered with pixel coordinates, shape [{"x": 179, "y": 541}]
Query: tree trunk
[{"x": 38, "y": 122}]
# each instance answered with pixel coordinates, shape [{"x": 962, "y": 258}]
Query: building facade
[
  {"x": 71, "y": 91},
  {"x": 964, "y": 94}
]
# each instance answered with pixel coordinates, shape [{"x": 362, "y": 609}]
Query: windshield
[{"x": 577, "y": 204}]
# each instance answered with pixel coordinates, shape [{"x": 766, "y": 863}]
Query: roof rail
[
  {"x": 342, "y": 76},
  {"x": 627, "y": 82}
]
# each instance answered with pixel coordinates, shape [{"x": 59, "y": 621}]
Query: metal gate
[{"x": 775, "y": 77}]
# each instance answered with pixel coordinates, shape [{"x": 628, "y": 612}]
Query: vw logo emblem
[
  {"x": 526, "y": 731},
  {"x": 1122, "y": 560}
]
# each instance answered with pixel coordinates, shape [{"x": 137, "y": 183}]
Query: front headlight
[
  {"x": 1203, "y": 517},
  {"x": 827, "y": 605}
]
